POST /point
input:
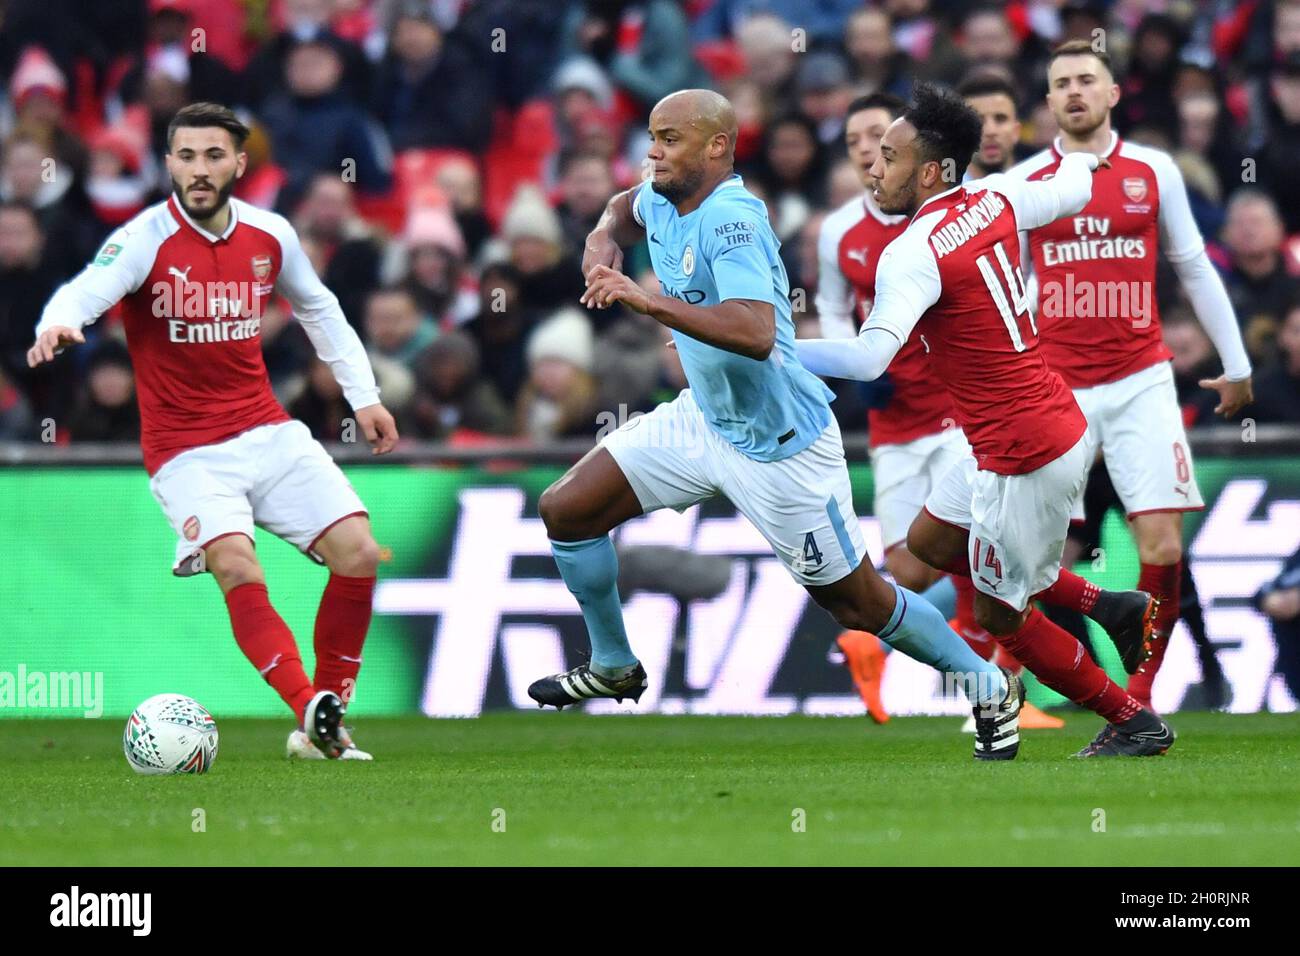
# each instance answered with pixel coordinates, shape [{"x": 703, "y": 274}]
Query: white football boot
[{"x": 300, "y": 745}]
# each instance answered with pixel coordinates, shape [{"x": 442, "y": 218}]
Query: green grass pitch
[{"x": 548, "y": 788}]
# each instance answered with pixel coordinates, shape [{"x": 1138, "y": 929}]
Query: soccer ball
[{"x": 170, "y": 733}]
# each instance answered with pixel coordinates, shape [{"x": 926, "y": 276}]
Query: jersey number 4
[{"x": 1009, "y": 295}]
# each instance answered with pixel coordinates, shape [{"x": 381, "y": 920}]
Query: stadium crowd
[{"x": 443, "y": 160}]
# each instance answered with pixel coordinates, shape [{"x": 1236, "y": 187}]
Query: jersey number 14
[{"x": 1008, "y": 296}]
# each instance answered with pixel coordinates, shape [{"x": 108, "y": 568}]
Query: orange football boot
[{"x": 866, "y": 658}]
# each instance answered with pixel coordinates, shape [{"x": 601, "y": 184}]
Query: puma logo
[
  {"x": 1183, "y": 492},
  {"x": 183, "y": 276},
  {"x": 858, "y": 255}
]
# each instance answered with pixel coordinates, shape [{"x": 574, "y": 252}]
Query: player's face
[
  {"x": 1001, "y": 129},
  {"x": 896, "y": 170},
  {"x": 862, "y": 133},
  {"x": 204, "y": 164},
  {"x": 1081, "y": 93},
  {"x": 677, "y": 156}
]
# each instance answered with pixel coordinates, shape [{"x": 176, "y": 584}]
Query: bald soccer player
[{"x": 753, "y": 425}]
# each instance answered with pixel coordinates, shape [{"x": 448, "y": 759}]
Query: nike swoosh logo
[{"x": 655, "y": 239}]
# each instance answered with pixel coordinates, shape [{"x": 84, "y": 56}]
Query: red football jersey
[
  {"x": 1096, "y": 269},
  {"x": 192, "y": 310},
  {"x": 954, "y": 277},
  {"x": 851, "y": 242}
]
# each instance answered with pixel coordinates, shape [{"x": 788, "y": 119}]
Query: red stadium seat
[{"x": 520, "y": 144}]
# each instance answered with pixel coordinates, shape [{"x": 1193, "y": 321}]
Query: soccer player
[
  {"x": 193, "y": 274},
  {"x": 994, "y": 100},
  {"x": 954, "y": 278},
  {"x": 1096, "y": 274},
  {"x": 914, "y": 437},
  {"x": 753, "y": 425}
]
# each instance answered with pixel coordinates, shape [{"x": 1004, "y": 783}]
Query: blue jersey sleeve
[{"x": 741, "y": 251}]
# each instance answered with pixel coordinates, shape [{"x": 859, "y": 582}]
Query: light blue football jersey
[{"x": 725, "y": 249}]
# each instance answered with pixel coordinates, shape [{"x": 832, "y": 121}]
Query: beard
[
  {"x": 902, "y": 202},
  {"x": 223, "y": 196},
  {"x": 676, "y": 191}
]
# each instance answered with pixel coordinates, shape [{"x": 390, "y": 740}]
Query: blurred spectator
[
  {"x": 1279, "y": 599},
  {"x": 429, "y": 263},
  {"x": 877, "y": 63},
  {"x": 38, "y": 93},
  {"x": 1280, "y": 147},
  {"x": 501, "y": 329},
  {"x": 549, "y": 276},
  {"x": 1257, "y": 281},
  {"x": 316, "y": 129},
  {"x": 1146, "y": 92},
  {"x": 169, "y": 31},
  {"x": 792, "y": 169},
  {"x": 27, "y": 281},
  {"x": 306, "y": 21},
  {"x": 262, "y": 179},
  {"x": 1277, "y": 386},
  {"x": 395, "y": 328},
  {"x": 320, "y": 404},
  {"x": 106, "y": 409},
  {"x": 116, "y": 183},
  {"x": 432, "y": 90},
  {"x": 559, "y": 398},
  {"x": 348, "y": 250},
  {"x": 766, "y": 42},
  {"x": 644, "y": 46},
  {"x": 16, "y": 421},
  {"x": 163, "y": 90},
  {"x": 534, "y": 30},
  {"x": 30, "y": 174},
  {"x": 1205, "y": 129},
  {"x": 451, "y": 394},
  {"x": 822, "y": 22},
  {"x": 822, "y": 85},
  {"x": 1194, "y": 358},
  {"x": 988, "y": 41},
  {"x": 460, "y": 183},
  {"x": 926, "y": 40},
  {"x": 586, "y": 184}
]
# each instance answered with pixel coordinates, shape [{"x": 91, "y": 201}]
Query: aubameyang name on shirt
[
  {"x": 968, "y": 225},
  {"x": 1093, "y": 242}
]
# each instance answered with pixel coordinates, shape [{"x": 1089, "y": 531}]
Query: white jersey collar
[
  {"x": 1058, "y": 144},
  {"x": 946, "y": 192}
]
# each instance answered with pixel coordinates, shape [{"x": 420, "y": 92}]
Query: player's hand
[
  {"x": 1233, "y": 396},
  {"x": 50, "y": 341},
  {"x": 379, "y": 428},
  {"x": 600, "y": 250},
  {"x": 1282, "y": 605},
  {"x": 605, "y": 287}
]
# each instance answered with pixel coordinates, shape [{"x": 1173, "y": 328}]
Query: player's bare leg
[
  {"x": 579, "y": 511},
  {"x": 1051, "y": 654},
  {"x": 265, "y": 639},
  {"x": 349, "y": 550},
  {"x": 1159, "y": 537},
  {"x": 864, "y": 601}
]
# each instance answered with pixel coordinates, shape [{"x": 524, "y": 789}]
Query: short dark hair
[
  {"x": 946, "y": 128},
  {"x": 987, "y": 84},
  {"x": 202, "y": 115},
  {"x": 880, "y": 100},
  {"x": 1080, "y": 48}
]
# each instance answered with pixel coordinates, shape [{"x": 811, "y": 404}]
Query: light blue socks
[
  {"x": 590, "y": 570},
  {"x": 922, "y": 633}
]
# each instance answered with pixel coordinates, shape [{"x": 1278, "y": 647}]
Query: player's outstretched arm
[
  {"x": 617, "y": 229},
  {"x": 1042, "y": 201},
  {"x": 864, "y": 358},
  {"x": 117, "y": 270},
  {"x": 744, "y": 326}
]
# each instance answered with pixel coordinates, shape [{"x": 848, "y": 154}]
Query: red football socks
[
  {"x": 1060, "y": 662},
  {"x": 1161, "y": 581},
  {"x": 268, "y": 643},
  {"x": 341, "y": 626},
  {"x": 1073, "y": 592}
]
